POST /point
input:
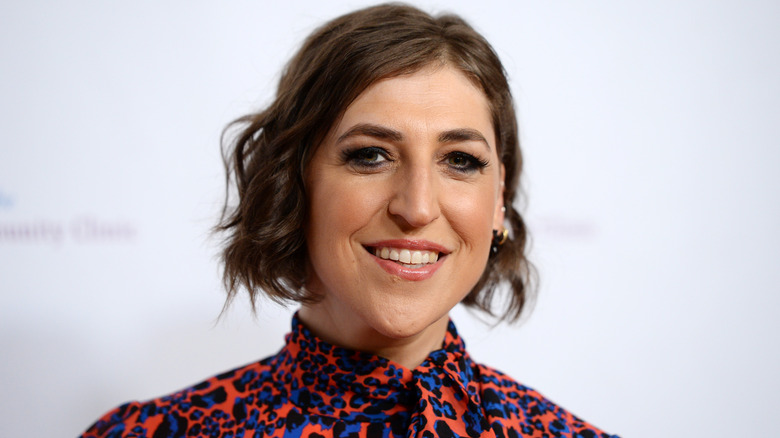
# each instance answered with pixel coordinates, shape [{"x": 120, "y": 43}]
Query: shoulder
[
  {"x": 522, "y": 408},
  {"x": 211, "y": 401}
]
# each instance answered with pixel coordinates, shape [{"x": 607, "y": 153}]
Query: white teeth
[{"x": 407, "y": 256}]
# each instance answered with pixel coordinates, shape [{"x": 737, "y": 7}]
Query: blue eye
[
  {"x": 463, "y": 162},
  {"x": 367, "y": 157}
]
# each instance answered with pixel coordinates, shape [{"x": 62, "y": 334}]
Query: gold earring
[{"x": 499, "y": 238}]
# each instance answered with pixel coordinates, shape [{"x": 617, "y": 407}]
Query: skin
[{"x": 392, "y": 169}]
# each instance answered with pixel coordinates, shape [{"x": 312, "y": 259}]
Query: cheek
[
  {"x": 338, "y": 206},
  {"x": 338, "y": 209},
  {"x": 470, "y": 213}
]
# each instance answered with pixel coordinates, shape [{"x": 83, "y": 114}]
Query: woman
[{"x": 376, "y": 191}]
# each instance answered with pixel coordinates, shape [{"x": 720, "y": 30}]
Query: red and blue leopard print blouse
[{"x": 314, "y": 389}]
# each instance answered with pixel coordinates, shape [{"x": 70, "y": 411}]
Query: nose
[{"x": 415, "y": 200}]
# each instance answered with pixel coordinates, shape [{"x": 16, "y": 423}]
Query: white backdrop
[{"x": 650, "y": 130}]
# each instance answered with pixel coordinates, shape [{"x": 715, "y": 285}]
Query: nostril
[{"x": 415, "y": 203}]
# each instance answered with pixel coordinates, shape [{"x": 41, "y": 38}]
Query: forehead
[{"x": 435, "y": 98}]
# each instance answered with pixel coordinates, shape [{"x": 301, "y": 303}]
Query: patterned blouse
[{"x": 317, "y": 390}]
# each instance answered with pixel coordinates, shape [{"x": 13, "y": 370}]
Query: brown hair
[{"x": 265, "y": 247}]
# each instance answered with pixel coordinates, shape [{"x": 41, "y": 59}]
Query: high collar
[{"x": 336, "y": 382}]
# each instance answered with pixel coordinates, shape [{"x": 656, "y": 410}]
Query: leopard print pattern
[{"x": 313, "y": 389}]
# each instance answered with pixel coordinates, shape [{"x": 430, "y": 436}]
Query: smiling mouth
[{"x": 408, "y": 258}]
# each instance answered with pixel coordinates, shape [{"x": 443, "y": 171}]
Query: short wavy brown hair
[{"x": 266, "y": 153}]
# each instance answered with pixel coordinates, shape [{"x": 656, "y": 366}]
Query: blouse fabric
[{"x": 317, "y": 390}]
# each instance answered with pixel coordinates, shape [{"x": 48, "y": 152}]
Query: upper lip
[{"x": 422, "y": 245}]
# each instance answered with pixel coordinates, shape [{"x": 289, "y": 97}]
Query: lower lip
[{"x": 418, "y": 274}]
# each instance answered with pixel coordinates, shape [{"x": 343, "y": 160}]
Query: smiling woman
[
  {"x": 413, "y": 171},
  {"x": 377, "y": 190}
]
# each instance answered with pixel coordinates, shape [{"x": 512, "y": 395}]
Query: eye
[
  {"x": 463, "y": 162},
  {"x": 366, "y": 157}
]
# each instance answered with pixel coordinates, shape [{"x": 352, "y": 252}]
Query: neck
[{"x": 355, "y": 334}]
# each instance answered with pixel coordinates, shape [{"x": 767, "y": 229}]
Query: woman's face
[{"x": 403, "y": 195}]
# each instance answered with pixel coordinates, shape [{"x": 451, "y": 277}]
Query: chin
[{"x": 404, "y": 324}]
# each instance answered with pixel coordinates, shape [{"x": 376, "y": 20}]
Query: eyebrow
[
  {"x": 385, "y": 133},
  {"x": 370, "y": 130},
  {"x": 463, "y": 135}
]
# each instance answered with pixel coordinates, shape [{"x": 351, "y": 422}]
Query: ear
[{"x": 498, "y": 214}]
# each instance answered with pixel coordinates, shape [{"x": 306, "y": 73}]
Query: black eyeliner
[{"x": 474, "y": 163}]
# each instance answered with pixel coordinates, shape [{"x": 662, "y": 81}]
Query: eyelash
[
  {"x": 366, "y": 158},
  {"x": 357, "y": 157},
  {"x": 472, "y": 164}
]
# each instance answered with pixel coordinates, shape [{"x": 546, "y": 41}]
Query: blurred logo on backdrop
[
  {"x": 564, "y": 227},
  {"x": 6, "y": 201},
  {"x": 80, "y": 229}
]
